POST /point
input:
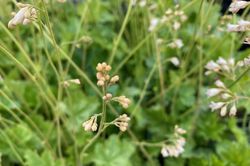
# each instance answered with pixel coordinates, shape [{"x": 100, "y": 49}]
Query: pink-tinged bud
[{"x": 100, "y": 83}]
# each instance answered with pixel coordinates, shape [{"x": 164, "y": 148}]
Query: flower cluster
[
  {"x": 122, "y": 122},
  {"x": 102, "y": 74},
  {"x": 236, "y": 5},
  {"x": 174, "y": 17},
  {"x": 220, "y": 66},
  {"x": 25, "y": 15},
  {"x": 177, "y": 148},
  {"x": 177, "y": 43},
  {"x": 123, "y": 101},
  {"x": 245, "y": 62},
  {"x": 91, "y": 124},
  {"x": 104, "y": 80},
  {"x": 241, "y": 26},
  {"x": 226, "y": 99}
]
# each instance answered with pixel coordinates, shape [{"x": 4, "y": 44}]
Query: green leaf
[{"x": 113, "y": 152}]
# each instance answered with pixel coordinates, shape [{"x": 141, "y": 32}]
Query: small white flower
[
  {"x": 175, "y": 61},
  {"x": 233, "y": 110},
  {"x": 164, "y": 152},
  {"x": 231, "y": 62},
  {"x": 142, "y": 3},
  {"x": 176, "y": 25},
  {"x": 213, "y": 92},
  {"x": 244, "y": 23},
  {"x": 235, "y": 6},
  {"x": 153, "y": 24},
  {"x": 233, "y": 28},
  {"x": 179, "y": 130},
  {"x": 211, "y": 65},
  {"x": 223, "y": 110},
  {"x": 176, "y": 44},
  {"x": 220, "y": 84},
  {"x": 216, "y": 105},
  {"x": 221, "y": 61}
]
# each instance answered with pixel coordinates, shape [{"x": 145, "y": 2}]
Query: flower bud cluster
[
  {"x": 25, "y": 15},
  {"x": 220, "y": 66},
  {"x": 122, "y": 122},
  {"x": 174, "y": 17},
  {"x": 102, "y": 74},
  {"x": 107, "y": 97},
  {"x": 174, "y": 150},
  {"x": 241, "y": 26},
  {"x": 236, "y": 5},
  {"x": 226, "y": 99},
  {"x": 91, "y": 124},
  {"x": 123, "y": 101},
  {"x": 177, "y": 43}
]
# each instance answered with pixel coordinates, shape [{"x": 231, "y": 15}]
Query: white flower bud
[
  {"x": 175, "y": 61},
  {"x": 213, "y": 92},
  {"x": 211, "y": 65},
  {"x": 220, "y": 84},
  {"x": 223, "y": 111},
  {"x": 216, "y": 105},
  {"x": 233, "y": 110}
]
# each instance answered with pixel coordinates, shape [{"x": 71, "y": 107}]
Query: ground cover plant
[{"x": 124, "y": 82}]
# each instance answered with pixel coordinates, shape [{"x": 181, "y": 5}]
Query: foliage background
[{"x": 41, "y": 125}]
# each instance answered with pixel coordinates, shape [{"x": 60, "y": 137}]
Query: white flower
[
  {"x": 179, "y": 130},
  {"x": 223, "y": 110},
  {"x": 211, "y": 65},
  {"x": 233, "y": 110},
  {"x": 244, "y": 23},
  {"x": 233, "y": 28},
  {"x": 164, "y": 152},
  {"x": 216, "y": 105},
  {"x": 221, "y": 61},
  {"x": 142, "y": 3},
  {"x": 220, "y": 84},
  {"x": 176, "y": 25},
  {"x": 235, "y": 6},
  {"x": 231, "y": 62},
  {"x": 176, "y": 44},
  {"x": 153, "y": 23},
  {"x": 175, "y": 61},
  {"x": 213, "y": 92}
]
